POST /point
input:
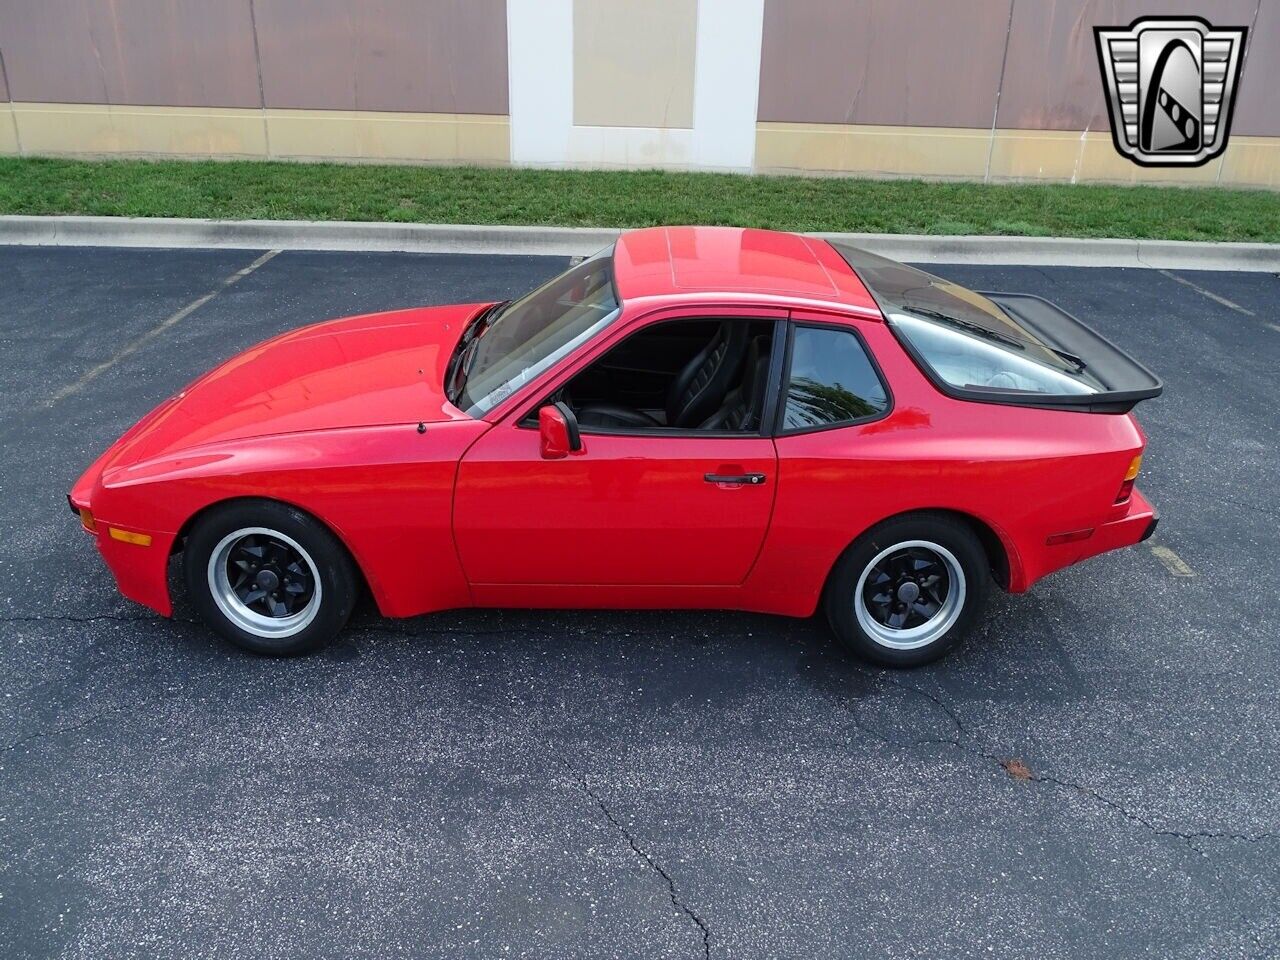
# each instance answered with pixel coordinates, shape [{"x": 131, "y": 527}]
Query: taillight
[{"x": 1126, "y": 488}]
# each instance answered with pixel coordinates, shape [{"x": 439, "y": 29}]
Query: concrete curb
[{"x": 571, "y": 241}]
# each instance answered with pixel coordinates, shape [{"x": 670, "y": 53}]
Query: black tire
[
  {"x": 868, "y": 627},
  {"x": 321, "y": 572}
]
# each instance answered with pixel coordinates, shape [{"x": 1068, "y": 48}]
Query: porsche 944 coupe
[{"x": 695, "y": 417}]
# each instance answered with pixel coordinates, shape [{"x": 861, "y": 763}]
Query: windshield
[
  {"x": 964, "y": 338},
  {"x": 530, "y": 334}
]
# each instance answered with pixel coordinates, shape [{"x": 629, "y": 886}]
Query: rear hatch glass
[{"x": 1000, "y": 347}]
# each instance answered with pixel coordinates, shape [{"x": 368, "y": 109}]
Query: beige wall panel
[
  {"x": 420, "y": 56},
  {"x": 874, "y": 150},
  {"x": 633, "y": 63},
  {"x": 164, "y": 52},
  {"x": 348, "y": 135},
  {"x": 1101, "y": 163},
  {"x": 8, "y": 131},
  {"x": 944, "y": 152},
  {"x": 1052, "y": 80},
  {"x": 918, "y": 62},
  {"x": 57, "y": 128},
  {"x": 1068, "y": 155},
  {"x": 1251, "y": 162}
]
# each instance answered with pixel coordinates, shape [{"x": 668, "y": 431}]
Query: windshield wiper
[{"x": 465, "y": 352}]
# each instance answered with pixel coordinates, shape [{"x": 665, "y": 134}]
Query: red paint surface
[{"x": 469, "y": 513}]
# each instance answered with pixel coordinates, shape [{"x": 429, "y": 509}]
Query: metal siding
[
  {"x": 1257, "y": 107},
  {"x": 1052, "y": 80},
  {"x": 916, "y": 62},
  {"x": 146, "y": 52},
  {"x": 429, "y": 56}
]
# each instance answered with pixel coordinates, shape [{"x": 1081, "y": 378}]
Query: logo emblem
[{"x": 1171, "y": 84}]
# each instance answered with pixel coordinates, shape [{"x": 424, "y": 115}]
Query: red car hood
[{"x": 371, "y": 370}]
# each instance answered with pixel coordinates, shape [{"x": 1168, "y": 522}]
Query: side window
[
  {"x": 830, "y": 381},
  {"x": 705, "y": 375}
]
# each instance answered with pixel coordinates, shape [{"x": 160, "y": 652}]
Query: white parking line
[
  {"x": 1209, "y": 293},
  {"x": 132, "y": 347},
  {"x": 1172, "y": 562}
]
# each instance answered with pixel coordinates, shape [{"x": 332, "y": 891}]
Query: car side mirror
[{"x": 558, "y": 428}]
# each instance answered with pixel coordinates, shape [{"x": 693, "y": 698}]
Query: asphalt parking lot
[{"x": 507, "y": 783}]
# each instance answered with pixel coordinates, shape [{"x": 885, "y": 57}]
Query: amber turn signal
[
  {"x": 1130, "y": 475},
  {"x": 87, "y": 521},
  {"x": 127, "y": 536}
]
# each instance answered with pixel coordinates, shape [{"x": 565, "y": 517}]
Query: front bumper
[{"x": 137, "y": 557}]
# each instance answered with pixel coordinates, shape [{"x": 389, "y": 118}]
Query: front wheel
[
  {"x": 908, "y": 590},
  {"x": 268, "y": 577}
]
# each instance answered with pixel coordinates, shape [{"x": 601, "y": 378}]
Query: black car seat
[
  {"x": 697, "y": 392},
  {"x": 744, "y": 405}
]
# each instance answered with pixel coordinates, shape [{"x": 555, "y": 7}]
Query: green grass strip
[{"x": 420, "y": 194}]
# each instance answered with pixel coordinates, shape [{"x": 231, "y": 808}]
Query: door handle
[{"x": 749, "y": 479}]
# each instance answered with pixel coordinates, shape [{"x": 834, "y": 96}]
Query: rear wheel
[
  {"x": 908, "y": 590},
  {"x": 268, "y": 577}
]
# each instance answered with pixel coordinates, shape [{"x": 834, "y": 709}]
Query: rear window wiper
[
  {"x": 1071, "y": 358},
  {"x": 968, "y": 325},
  {"x": 997, "y": 336}
]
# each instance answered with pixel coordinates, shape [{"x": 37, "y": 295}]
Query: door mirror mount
[{"x": 558, "y": 429}]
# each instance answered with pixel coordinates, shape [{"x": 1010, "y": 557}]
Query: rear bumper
[{"x": 1136, "y": 525}]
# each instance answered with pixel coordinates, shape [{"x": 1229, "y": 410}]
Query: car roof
[{"x": 764, "y": 266}]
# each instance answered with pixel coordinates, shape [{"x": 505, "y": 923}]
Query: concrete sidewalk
[{"x": 571, "y": 241}]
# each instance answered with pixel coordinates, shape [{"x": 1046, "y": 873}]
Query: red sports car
[{"x": 694, "y": 417}]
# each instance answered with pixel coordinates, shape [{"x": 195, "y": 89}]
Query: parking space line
[
  {"x": 1172, "y": 562},
  {"x": 134, "y": 345},
  {"x": 1231, "y": 304}
]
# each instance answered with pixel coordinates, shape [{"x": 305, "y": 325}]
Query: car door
[{"x": 629, "y": 509}]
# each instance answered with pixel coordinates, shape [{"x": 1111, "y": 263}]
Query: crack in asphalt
[
  {"x": 1187, "y": 837},
  {"x": 69, "y": 728},
  {"x": 533, "y": 633},
  {"x": 96, "y": 618},
  {"x": 639, "y": 851},
  {"x": 971, "y": 747},
  {"x": 964, "y": 741}
]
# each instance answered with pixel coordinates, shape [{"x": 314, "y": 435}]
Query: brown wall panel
[
  {"x": 919, "y": 62},
  {"x": 1052, "y": 80},
  {"x": 1258, "y": 104},
  {"x": 4, "y": 86},
  {"x": 427, "y": 56},
  {"x": 155, "y": 52}
]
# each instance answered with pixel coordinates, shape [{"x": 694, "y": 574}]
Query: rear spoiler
[{"x": 1125, "y": 380}]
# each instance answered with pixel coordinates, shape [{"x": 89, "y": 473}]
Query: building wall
[
  {"x": 975, "y": 89},
  {"x": 346, "y": 79},
  {"x": 984, "y": 89}
]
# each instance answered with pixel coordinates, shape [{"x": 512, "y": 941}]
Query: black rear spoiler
[{"x": 1125, "y": 380}]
